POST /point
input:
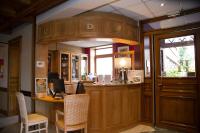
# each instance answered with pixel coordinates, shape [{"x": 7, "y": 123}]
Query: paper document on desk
[{"x": 136, "y": 76}]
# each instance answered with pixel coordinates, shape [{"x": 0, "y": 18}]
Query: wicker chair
[
  {"x": 75, "y": 113},
  {"x": 28, "y": 121}
]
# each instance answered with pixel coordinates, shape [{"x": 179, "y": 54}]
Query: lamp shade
[{"x": 123, "y": 62}]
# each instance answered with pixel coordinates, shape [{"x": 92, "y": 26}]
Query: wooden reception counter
[{"x": 113, "y": 107}]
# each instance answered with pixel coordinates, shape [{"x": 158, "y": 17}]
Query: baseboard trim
[{"x": 6, "y": 121}]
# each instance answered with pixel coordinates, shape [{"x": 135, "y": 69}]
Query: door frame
[{"x": 16, "y": 39}]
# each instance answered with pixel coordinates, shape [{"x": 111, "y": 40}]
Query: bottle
[
  {"x": 90, "y": 76},
  {"x": 95, "y": 78}
]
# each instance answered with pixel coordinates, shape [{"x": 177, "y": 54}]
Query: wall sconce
[{"x": 123, "y": 63}]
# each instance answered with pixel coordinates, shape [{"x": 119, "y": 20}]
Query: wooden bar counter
[{"x": 113, "y": 107}]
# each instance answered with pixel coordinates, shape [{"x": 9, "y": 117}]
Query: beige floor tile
[{"x": 139, "y": 129}]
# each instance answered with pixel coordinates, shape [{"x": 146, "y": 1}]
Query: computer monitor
[
  {"x": 59, "y": 86},
  {"x": 52, "y": 76}
]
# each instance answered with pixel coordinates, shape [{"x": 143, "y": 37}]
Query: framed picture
[
  {"x": 123, "y": 49},
  {"x": 41, "y": 85}
]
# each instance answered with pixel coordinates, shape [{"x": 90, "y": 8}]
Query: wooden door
[
  {"x": 13, "y": 74},
  {"x": 176, "y": 86}
]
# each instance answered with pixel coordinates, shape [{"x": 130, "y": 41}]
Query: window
[
  {"x": 104, "y": 51},
  {"x": 177, "y": 57},
  {"x": 104, "y": 60},
  {"x": 147, "y": 56},
  {"x": 104, "y": 66}
]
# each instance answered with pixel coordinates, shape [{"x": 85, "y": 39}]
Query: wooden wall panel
[
  {"x": 177, "y": 106},
  {"x": 134, "y": 105},
  {"x": 113, "y": 107},
  {"x": 113, "y": 28},
  {"x": 46, "y": 31},
  {"x": 95, "y": 110},
  {"x": 89, "y": 25},
  {"x": 41, "y": 55},
  {"x": 147, "y": 108},
  {"x": 147, "y": 103},
  {"x": 125, "y": 107}
]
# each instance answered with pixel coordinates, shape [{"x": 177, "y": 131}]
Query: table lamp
[{"x": 123, "y": 63}]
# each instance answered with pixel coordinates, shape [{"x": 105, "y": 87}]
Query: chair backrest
[
  {"x": 22, "y": 107},
  {"x": 76, "y": 109}
]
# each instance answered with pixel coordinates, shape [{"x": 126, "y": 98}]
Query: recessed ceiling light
[{"x": 162, "y": 4}]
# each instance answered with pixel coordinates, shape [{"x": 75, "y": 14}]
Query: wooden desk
[
  {"x": 47, "y": 106},
  {"x": 49, "y": 99}
]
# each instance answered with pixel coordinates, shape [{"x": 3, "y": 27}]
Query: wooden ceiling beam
[
  {"x": 182, "y": 13},
  {"x": 7, "y": 12},
  {"x": 31, "y": 11}
]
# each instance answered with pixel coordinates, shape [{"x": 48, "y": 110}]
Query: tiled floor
[
  {"x": 148, "y": 129},
  {"x": 138, "y": 129},
  {"x": 15, "y": 129}
]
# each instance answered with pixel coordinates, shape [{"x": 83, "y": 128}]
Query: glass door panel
[
  {"x": 84, "y": 66},
  {"x": 177, "y": 57},
  {"x": 147, "y": 58},
  {"x": 75, "y": 71},
  {"x": 65, "y": 66}
]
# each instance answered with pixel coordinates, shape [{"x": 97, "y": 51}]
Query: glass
[
  {"x": 104, "y": 66},
  {"x": 75, "y": 67},
  {"x": 65, "y": 66},
  {"x": 147, "y": 59},
  {"x": 104, "y": 51},
  {"x": 177, "y": 57},
  {"x": 84, "y": 65}
]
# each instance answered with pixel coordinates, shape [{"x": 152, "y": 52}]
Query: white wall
[
  {"x": 3, "y": 81},
  {"x": 4, "y": 56},
  {"x": 26, "y": 60}
]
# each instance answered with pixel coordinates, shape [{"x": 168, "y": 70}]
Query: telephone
[{"x": 52, "y": 92}]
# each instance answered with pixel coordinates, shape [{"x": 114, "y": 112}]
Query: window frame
[
  {"x": 103, "y": 56},
  {"x": 179, "y": 34}
]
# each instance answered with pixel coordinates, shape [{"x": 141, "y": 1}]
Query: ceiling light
[
  {"x": 104, "y": 39},
  {"x": 162, "y": 4}
]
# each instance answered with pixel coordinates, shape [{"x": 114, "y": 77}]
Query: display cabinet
[
  {"x": 75, "y": 67},
  {"x": 65, "y": 66},
  {"x": 70, "y": 66}
]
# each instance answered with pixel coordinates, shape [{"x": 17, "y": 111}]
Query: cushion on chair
[
  {"x": 60, "y": 125},
  {"x": 36, "y": 118}
]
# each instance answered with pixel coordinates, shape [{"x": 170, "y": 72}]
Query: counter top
[
  {"x": 111, "y": 84},
  {"x": 49, "y": 99}
]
